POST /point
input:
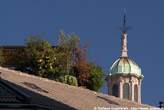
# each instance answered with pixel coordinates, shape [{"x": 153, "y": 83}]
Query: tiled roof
[
  {"x": 60, "y": 96},
  {"x": 125, "y": 66}
]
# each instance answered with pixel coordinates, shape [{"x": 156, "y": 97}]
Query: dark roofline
[
  {"x": 14, "y": 46},
  {"x": 23, "y": 106}
]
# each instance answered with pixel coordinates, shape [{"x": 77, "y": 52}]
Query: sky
[{"x": 97, "y": 23}]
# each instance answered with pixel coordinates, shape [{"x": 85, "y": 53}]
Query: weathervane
[{"x": 124, "y": 27}]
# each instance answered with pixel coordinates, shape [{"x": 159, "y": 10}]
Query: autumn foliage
[{"x": 66, "y": 62}]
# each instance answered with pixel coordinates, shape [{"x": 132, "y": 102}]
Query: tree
[
  {"x": 73, "y": 58},
  {"x": 66, "y": 63},
  {"x": 67, "y": 45},
  {"x": 81, "y": 68},
  {"x": 96, "y": 77},
  {"x": 40, "y": 55}
]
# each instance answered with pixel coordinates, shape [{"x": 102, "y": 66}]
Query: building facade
[{"x": 125, "y": 77}]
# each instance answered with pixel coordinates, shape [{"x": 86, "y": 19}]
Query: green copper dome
[{"x": 124, "y": 66}]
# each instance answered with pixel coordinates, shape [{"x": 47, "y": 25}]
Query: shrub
[{"x": 68, "y": 79}]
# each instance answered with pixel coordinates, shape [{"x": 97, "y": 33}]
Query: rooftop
[
  {"x": 60, "y": 96},
  {"x": 125, "y": 66}
]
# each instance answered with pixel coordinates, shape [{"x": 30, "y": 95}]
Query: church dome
[{"x": 125, "y": 66}]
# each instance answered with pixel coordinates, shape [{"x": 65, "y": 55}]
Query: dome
[{"x": 124, "y": 66}]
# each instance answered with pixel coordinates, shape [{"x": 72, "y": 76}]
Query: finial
[{"x": 124, "y": 28}]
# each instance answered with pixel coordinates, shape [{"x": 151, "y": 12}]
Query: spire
[{"x": 124, "y": 28}]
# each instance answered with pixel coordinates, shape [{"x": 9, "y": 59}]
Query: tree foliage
[
  {"x": 67, "y": 45},
  {"x": 41, "y": 56},
  {"x": 96, "y": 77},
  {"x": 66, "y": 62},
  {"x": 69, "y": 79}
]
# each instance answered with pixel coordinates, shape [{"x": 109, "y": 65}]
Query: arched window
[
  {"x": 126, "y": 93},
  {"x": 115, "y": 90},
  {"x": 136, "y": 93}
]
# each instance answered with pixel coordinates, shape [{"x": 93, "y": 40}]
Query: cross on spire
[{"x": 124, "y": 28}]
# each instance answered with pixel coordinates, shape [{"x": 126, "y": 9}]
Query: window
[
  {"x": 136, "y": 93},
  {"x": 126, "y": 93},
  {"x": 115, "y": 90}
]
